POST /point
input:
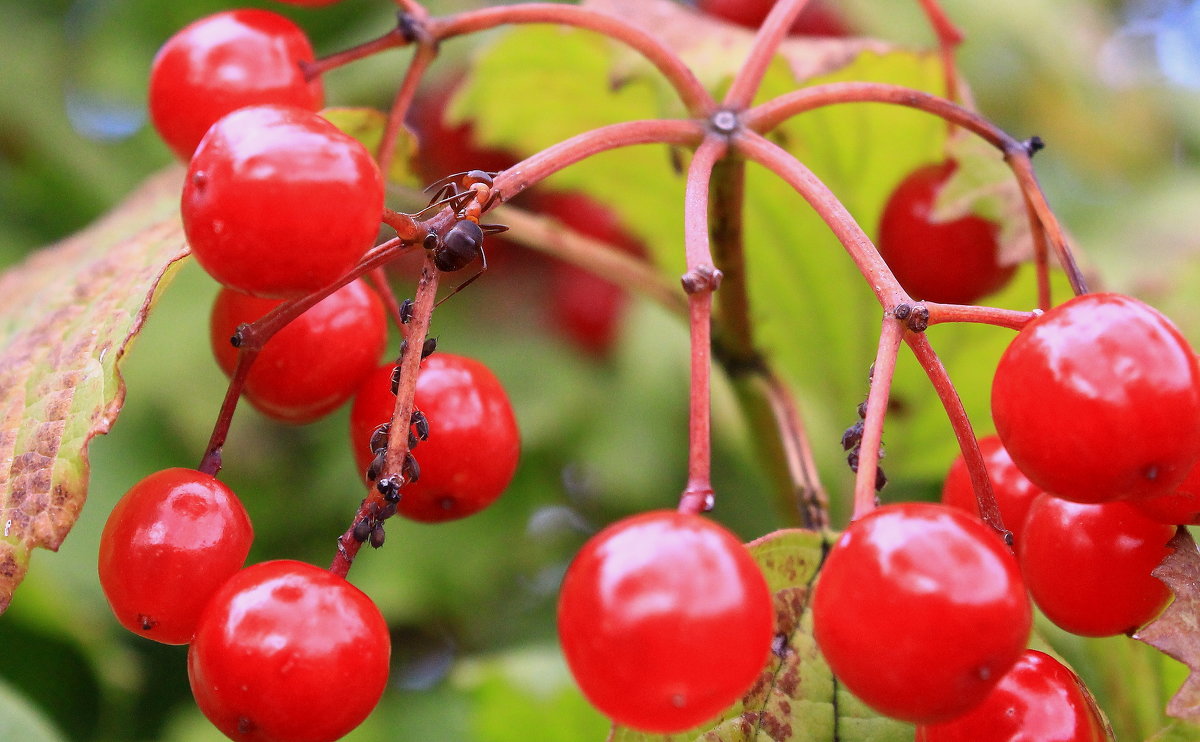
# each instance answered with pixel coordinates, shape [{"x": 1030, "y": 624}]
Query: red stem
[
  {"x": 390, "y": 40},
  {"x": 877, "y": 400},
  {"x": 1016, "y": 153},
  {"x": 700, "y": 281},
  {"x": 581, "y": 146},
  {"x": 750, "y": 75},
  {"x": 949, "y": 37},
  {"x": 989, "y": 510},
  {"x": 254, "y": 336},
  {"x": 873, "y": 268},
  {"x": 695, "y": 98},
  {"x": 811, "y": 500},
  {"x": 425, "y": 54},
  {"x": 410, "y": 362},
  {"x": 1010, "y": 318}
]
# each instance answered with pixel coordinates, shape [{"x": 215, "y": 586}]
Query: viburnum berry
[
  {"x": 278, "y": 202},
  {"x": 665, "y": 620},
  {"x": 289, "y": 652},
  {"x": 817, "y": 18},
  {"x": 1088, "y": 566},
  {"x": 473, "y": 442},
  {"x": 1013, "y": 490},
  {"x": 920, "y": 609},
  {"x": 1038, "y": 700},
  {"x": 169, "y": 543},
  {"x": 956, "y": 261},
  {"x": 224, "y": 62},
  {"x": 1179, "y": 507},
  {"x": 1099, "y": 399},
  {"x": 316, "y": 362}
]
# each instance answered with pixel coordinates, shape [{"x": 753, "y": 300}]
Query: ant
[{"x": 470, "y": 194}]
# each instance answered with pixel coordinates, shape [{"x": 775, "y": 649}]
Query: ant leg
[
  {"x": 469, "y": 281},
  {"x": 493, "y": 228}
]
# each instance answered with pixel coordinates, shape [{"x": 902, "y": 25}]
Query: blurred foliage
[{"x": 472, "y": 603}]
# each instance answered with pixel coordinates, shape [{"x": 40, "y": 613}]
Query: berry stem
[
  {"x": 949, "y": 38},
  {"x": 989, "y": 510},
  {"x": 873, "y": 268},
  {"x": 410, "y": 361},
  {"x": 543, "y": 164},
  {"x": 808, "y": 497},
  {"x": 425, "y": 54},
  {"x": 396, "y": 37},
  {"x": 701, "y": 279},
  {"x": 252, "y": 337},
  {"x": 1010, "y": 318},
  {"x": 694, "y": 96},
  {"x": 750, "y": 75},
  {"x": 1018, "y": 159},
  {"x": 877, "y": 400},
  {"x": 1041, "y": 256}
]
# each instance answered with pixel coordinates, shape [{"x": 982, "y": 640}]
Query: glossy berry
[
  {"x": 473, "y": 446},
  {"x": 289, "y": 651},
  {"x": 920, "y": 609},
  {"x": 279, "y": 203},
  {"x": 1014, "y": 492},
  {"x": 665, "y": 620},
  {"x": 586, "y": 308},
  {"x": 1179, "y": 507},
  {"x": 817, "y": 19},
  {"x": 1038, "y": 700},
  {"x": 225, "y": 62},
  {"x": 1098, "y": 399},
  {"x": 316, "y": 362},
  {"x": 169, "y": 543},
  {"x": 1088, "y": 566},
  {"x": 956, "y": 261}
]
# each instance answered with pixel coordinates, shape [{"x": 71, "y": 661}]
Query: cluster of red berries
[
  {"x": 278, "y": 204},
  {"x": 1096, "y": 462}
]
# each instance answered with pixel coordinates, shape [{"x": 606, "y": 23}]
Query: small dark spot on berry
[
  {"x": 1151, "y": 472},
  {"x": 446, "y": 502},
  {"x": 245, "y": 726},
  {"x": 146, "y": 622},
  {"x": 200, "y": 179}
]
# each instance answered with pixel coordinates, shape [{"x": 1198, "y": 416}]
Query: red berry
[
  {"x": 1098, "y": 399},
  {"x": 279, "y": 203},
  {"x": 585, "y": 307},
  {"x": 225, "y": 62},
  {"x": 1038, "y": 700},
  {"x": 310, "y": 3},
  {"x": 665, "y": 620},
  {"x": 171, "y": 541},
  {"x": 1014, "y": 492},
  {"x": 1087, "y": 566},
  {"x": 289, "y": 651},
  {"x": 473, "y": 446},
  {"x": 316, "y": 362},
  {"x": 920, "y": 609},
  {"x": 815, "y": 20},
  {"x": 1180, "y": 507},
  {"x": 957, "y": 261}
]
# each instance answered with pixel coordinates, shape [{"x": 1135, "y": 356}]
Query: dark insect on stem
[
  {"x": 396, "y": 380},
  {"x": 389, "y": 487},
  {"x": 428, "y": 347},
  {"x": 362, "y": 530},
  {"x": 420, "y": 423},
  {"x": 377, "y": 536},
  {"x": 406, "y": 311},
  {"x": 853, "y": 436},
  {"x": 376, "y": 466},
  {"x": 410, "y": 468},
  {"x": 379, "y": 438}
]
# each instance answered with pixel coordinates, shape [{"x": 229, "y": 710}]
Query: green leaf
[
  {"x": 68, "y": 315},
  {"x": 367, "y": 126},
  {"x": 19, "y": 720},
  {"x": 796, "y": 698},
  {"x": 525, "y": 696}
]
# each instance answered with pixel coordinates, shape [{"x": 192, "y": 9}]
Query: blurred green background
[{"x": 1112, "y": 87}]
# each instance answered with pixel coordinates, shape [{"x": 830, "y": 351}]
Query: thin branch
[
  {"x": 425, "y": 54},
  {"x": 810, "y": 499},
  {"x": 692, "y": 93},
  {"x": 873, "y": 268},
  {"x": 1010, "y": 318},
  {"x": 539, "y": 166},
  {"x": 882, "y": 371},
  {"x": 989, "y": 510},
  {"x": 750, "y": 76},
  {"x": 699, "y": 282}
]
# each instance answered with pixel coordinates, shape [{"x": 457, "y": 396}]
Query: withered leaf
[
  {"x": 1176, "y": 631},
  {"x": 67, "y": 315}
]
